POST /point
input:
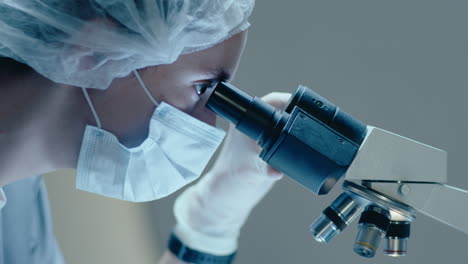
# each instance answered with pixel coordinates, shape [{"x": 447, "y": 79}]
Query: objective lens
[
  {"x": 397, "y": 238},
  {"x": 335, "y": 218},
  {"x": 373, "y": 225}
]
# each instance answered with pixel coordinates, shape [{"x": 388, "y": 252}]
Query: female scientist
[{"x": 116, "y": 89}]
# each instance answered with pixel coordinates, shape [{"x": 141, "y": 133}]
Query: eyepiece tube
[
  {"x": 251, "y": 115},
  {"x": 229, "y": 102}
]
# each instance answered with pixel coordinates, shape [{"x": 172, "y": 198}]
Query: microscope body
[
  {"x": 410, "y": 173},
  {"x": 387, "y": 177},
  {"x": 403, "y": 177},
  {"x": 312, "y": 141}
]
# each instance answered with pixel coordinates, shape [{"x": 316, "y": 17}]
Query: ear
[{"x": 85, "y": 58}]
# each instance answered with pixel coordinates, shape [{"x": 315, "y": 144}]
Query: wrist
[
  {"x": 211, "y": 244},
  {"x": 211, "y": 213},
  {"x": 204, "y": 228}
]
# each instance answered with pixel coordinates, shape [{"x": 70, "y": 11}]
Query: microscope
[{"x": 387, "y": 177}]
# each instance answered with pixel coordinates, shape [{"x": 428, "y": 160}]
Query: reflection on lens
[
  {"x": 335, "y": 218},
  {"x": 397, "y": 238},
  {"x": 373, "y": 225}
]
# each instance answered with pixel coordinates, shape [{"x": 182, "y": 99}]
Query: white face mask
[{"x": 175, "y": 153}]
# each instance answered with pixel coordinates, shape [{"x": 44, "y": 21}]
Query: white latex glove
[{"x": 211, "y": 213}]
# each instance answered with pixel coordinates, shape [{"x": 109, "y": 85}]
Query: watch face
[{"x": 189, "y": 255}]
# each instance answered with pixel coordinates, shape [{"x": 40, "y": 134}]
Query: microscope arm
[
  {"x": 444, "y": 203},
  {"x": 411, "y": 173},
  {"x": 386, "y": 156}
]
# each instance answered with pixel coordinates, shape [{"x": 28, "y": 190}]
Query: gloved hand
[{"x": 211, "y": 213}]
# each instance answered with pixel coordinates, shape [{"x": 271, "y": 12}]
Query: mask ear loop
[
  {"x": 96, "y": 117},
  {"x": 142, "y": 84}
]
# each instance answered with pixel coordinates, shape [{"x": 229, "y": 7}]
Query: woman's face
[{"x": 125, "y": 109}]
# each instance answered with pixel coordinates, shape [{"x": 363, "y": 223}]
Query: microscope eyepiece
[
  {"x": 229, "y": 102},
  {"x": 249, "y": 114}
]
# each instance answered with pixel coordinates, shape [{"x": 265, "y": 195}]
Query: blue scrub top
[{"x": 26, "y": 233}]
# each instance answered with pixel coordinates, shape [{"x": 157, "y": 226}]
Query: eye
[{"x": 202, "y": 87}]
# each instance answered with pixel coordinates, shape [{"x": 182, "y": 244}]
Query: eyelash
[{"x": 202, "y": 87}]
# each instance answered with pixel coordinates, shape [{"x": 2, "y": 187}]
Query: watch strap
[{"x": 190, "y": 255}]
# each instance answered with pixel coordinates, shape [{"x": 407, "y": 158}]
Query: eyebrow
[{"x": 220, "y": 75}]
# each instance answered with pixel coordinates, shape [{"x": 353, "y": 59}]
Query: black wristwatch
[{"x": 184, "y": 253}]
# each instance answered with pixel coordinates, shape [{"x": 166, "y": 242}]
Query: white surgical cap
[{"x": 88, "y": 43}]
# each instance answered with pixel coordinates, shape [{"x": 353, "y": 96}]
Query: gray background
[{"x": 398, "y": 65}]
